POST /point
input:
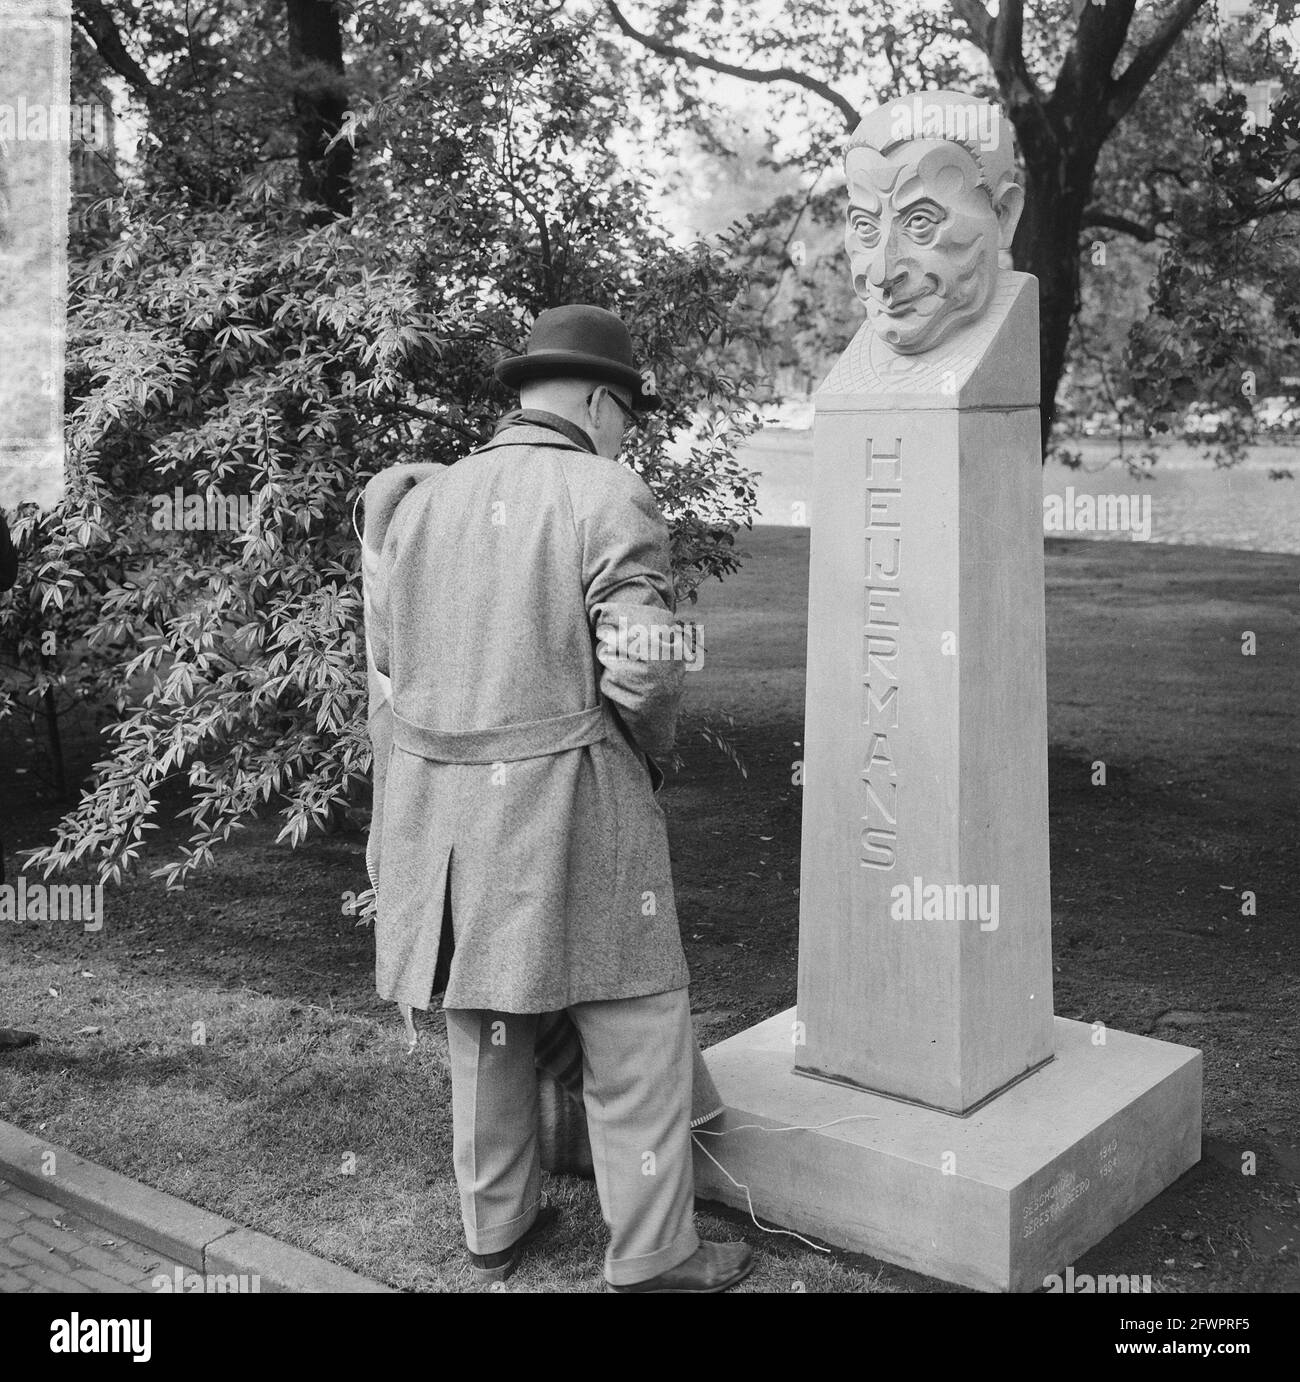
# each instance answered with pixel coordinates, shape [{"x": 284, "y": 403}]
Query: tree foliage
[
  {"x": 1102, "y": 94},
  {"x": 1223, "y": 323},
  {"x": 227, "y": 340}
]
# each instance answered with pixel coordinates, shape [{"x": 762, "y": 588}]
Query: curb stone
[{"x": 197, "y": 1239}]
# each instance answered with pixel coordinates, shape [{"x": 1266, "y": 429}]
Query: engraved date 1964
[{"x": 1109, "y": 1158}]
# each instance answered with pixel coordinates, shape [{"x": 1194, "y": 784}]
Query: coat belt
[{"x": 502, "y": 743}]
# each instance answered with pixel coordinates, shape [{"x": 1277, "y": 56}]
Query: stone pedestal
[
  {"x": 973, "y": 1137},
  {"x": 997, "y": 1200}
]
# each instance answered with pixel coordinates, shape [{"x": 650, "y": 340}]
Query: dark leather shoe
[
  {"x": 488, "y": 1267},
  {"x": 713, "y": 1267}
]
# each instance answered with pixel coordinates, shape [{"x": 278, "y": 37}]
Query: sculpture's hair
[{"x": 878, "y": 130}]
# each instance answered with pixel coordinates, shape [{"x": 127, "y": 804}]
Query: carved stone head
[{"x": 933, "y": 204}]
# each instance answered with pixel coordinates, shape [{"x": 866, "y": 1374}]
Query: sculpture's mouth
[{"x": 897, "y": 307}]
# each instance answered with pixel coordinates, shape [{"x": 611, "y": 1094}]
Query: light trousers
[{"x": 637, "y": 1082}]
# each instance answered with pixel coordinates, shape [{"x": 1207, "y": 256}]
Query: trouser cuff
[
  {"x": 628, "y": 1271},
  {"x": 501, "y": 1236}
]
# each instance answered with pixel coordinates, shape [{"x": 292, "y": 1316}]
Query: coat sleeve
[
  {"x": 381, "y": 497},
  {"x": 376, "y": 615},
  {"x": 628, "y": 586}
]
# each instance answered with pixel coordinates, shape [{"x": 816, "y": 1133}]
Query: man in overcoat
[{"x": 523, "y": 613}]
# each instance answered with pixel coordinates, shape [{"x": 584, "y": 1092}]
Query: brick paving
[{"x": 46, "y": 1248}]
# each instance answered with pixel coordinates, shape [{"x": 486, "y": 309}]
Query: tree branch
[
  {"x": 1162, "y": 170},
  {"x": 413, "y": 411},
  {"x": 1005, "y": 48},
  {"x": 101, "y": 28},
  {"x": 750, "y": 74},
  {"x": 1007, "y": 57},
  {"x": 1095, "y": 216},
  {"x": 1273, "y": 202},
  {"x": 1083, "y": 82},
  {"x": 543, "y": 232},
  {"x": 978, "y": 21},
  {"x": 1128, "y": 86}
]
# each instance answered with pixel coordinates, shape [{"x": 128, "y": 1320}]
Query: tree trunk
[
  {"x": 319, "y": 102},
  {"x": 56, "y": 745},
  {"x": 1058, "y": 184}
]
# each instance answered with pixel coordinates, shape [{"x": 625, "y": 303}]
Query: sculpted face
[{"x": 923, "y": 235}]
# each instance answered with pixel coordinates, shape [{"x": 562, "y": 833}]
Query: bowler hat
[{"x": 579, "y": 342}]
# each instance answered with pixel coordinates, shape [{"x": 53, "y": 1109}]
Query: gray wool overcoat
[{"x": 517, "y": 605}]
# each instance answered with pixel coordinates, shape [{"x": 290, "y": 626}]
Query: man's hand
[{"x": 640, "y": 650}]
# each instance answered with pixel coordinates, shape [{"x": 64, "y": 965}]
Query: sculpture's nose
[{"x": 887, "y": 272}]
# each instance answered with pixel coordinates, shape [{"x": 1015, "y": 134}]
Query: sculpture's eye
[
  {"x": 865, "y": 227},
  {"x": 921, "y": 224}
]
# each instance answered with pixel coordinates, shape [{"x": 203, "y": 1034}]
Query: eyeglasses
[{"x": 623, "y": 408}]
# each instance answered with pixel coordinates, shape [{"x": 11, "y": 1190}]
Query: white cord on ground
[
  {"x": 789, "y": 1233},
  {"x": 758, "y": 1127},
  {"x": 797, "y": 1127}
]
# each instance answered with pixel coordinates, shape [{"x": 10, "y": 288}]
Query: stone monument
[
  {"x": 35, "y": 131},
  {"x": 951, "y": 1123}
]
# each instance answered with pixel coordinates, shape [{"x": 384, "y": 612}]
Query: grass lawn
[{"x": 225, "y": 1043}]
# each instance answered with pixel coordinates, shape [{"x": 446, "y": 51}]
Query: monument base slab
[{"x": 997, "y": 1200}]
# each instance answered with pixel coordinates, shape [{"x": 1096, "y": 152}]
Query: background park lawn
[{"x": 296, "y": 1109}]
